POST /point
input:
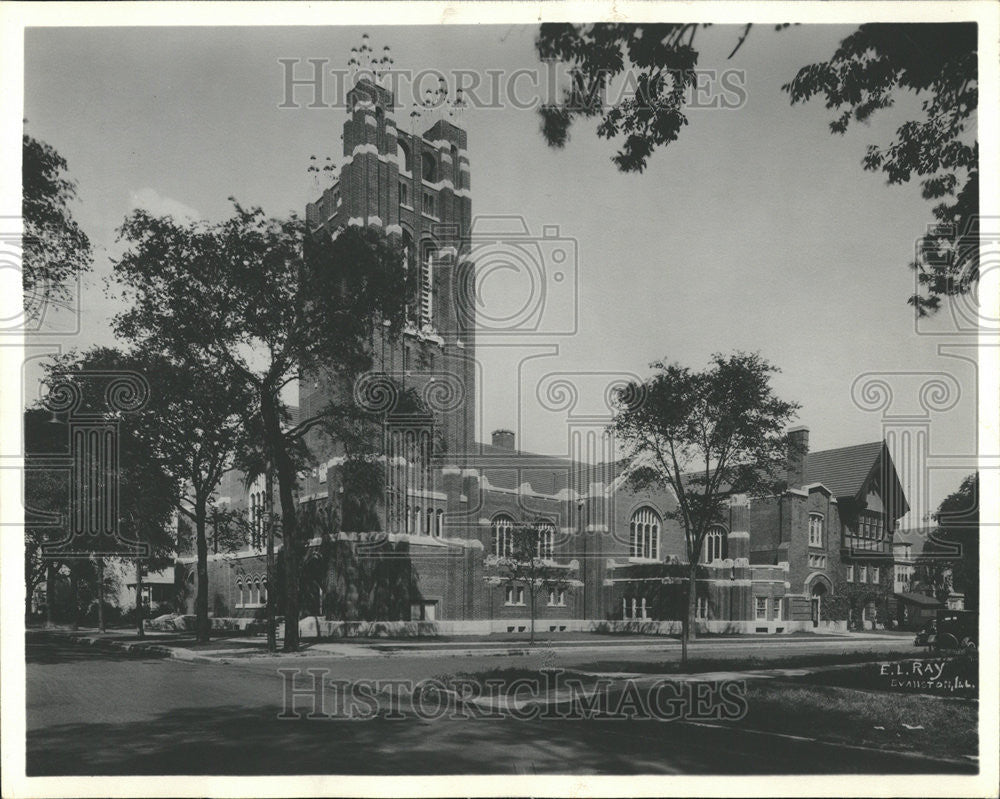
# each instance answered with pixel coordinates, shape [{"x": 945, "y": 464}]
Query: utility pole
[{"x": 272, "y": 638}]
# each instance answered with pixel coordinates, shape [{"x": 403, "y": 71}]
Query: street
[{"x": 105, "y": 713}]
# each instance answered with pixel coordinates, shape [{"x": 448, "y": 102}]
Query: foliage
[
  {"x": 55, "y": 248},
  {"x": 662, "y": 585},
  {"x": 955, "y": 542},
  {"x": 848, "y": 601},
  {"x": 352, "y": 577},
  {"x": 262, "y": 300},
  {"x": 868, "y": 71},
  {"x": 704, "y": 436},
  {"x": 146, "y": 490},
  {"x": 660, "y": 59},
  {"x": 192, "y": 424}
]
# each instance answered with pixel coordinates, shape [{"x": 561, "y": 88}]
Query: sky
[{"x": 757, "y": 230}]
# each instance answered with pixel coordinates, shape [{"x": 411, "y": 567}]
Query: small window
[
  {"x": 429, "y": 172},
  {"x": 239, "y": 593},
  {"x": 557, "y": 598},
  {"x": 862, "y": 574},
  {"x": 701, "y": 608},
  {"x": 405, "y": 163},
  {"x": 875, "y": 576},
  {"x": 815, "y": 530},
  {"x": 761, "y": 608},
  {"x": 439, "y": 524},
  {"x": 429, "y": 205},
  {"x": 514, "y": 595},
  {"x": 634, "y": 607},
  {"x": 404, "y": 194},
  {"x": 777, "y": 608}
]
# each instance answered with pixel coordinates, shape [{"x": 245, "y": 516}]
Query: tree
[
  {"x": 954, "y": 544},
  {"x": 192, "y": 426},
  {"x": 525, "y": 564},
  {"x": 55, "y": 248},
  {"x": 146, "y": 489},
  {"x": 46, "y": 499},
  {"x": 260, "y": 299},
  {"x": 705, "y": 435},
  {"x": 200, "y": 414},
  {"x": 869, "y": 70}
]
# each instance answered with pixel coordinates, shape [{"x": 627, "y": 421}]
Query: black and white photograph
[{"x": 399, "y": 396}]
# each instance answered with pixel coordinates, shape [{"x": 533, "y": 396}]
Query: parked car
[{"x": 950, "y": 629}]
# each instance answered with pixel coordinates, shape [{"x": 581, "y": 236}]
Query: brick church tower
[{"x": 415, "y": 186}]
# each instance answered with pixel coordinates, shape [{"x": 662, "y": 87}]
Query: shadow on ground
[{"x": 236, "y": 740}]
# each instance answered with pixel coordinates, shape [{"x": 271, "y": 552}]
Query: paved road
[{"x": 93, "y": 712}]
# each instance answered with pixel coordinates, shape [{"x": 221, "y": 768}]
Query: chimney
[
  {"x": 798, "y": 448},
  {"x": 503, "y": 439}
]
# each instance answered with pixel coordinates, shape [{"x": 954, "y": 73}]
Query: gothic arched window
[
  {"x": 503, "y": 543},
  {"x": 644, "y": 534},
  {"x": 546, "y": 540},
  {"x": 715, "y": 544}
]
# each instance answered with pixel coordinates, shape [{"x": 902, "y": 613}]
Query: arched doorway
[{"x": 817, "y": 592}]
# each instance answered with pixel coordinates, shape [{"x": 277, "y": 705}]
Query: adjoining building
[{"x": 447, "y": 502}]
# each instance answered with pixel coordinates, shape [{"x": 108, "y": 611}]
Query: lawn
[
  {"x": 910, "y": 722},
  {"x": 943, "y": 727}
]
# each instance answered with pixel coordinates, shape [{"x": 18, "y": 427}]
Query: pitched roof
[{"x": 845, "y": 469}]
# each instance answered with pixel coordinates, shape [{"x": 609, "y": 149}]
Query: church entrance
[{"x": 818, "y": 592}]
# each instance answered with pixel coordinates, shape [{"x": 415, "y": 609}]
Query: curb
[{"x": 137, "y": 648}]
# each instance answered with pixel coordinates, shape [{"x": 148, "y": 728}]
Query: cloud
[{"x": 150, "y": 200}]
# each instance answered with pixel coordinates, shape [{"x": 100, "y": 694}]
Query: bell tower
[{"x": 413, "y": 183}]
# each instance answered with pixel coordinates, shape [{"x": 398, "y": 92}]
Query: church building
[{"x": 446, "y": 502}]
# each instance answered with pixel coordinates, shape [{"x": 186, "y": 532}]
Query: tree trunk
[
  {"x": 688, "y": 632},
  {"x": 50, "y": 594},
  {"x": 531, "y": 638},
  {"x": 278, "y": 455},
  {"x": 201, "y": 623},
  {"x": 272, "y": 639},
  {"x": 100, "y": 596},
  {"x": 139, "y": 609},
  {"x": 74, "y": 584}
]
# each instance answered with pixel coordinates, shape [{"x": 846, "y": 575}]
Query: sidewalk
[
  {"x": 183, "y": 645},
  {"x": 180, "y": 646}
]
